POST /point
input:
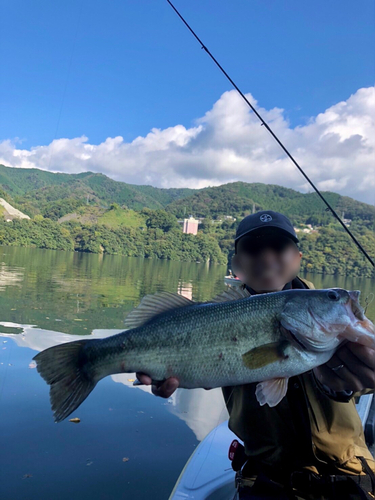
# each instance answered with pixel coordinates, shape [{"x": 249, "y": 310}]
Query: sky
[{"x": 123, "y": 88}]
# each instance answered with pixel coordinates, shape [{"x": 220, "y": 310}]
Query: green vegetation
[
  {"x": 331, "y": 252},
  {"x": 35, "y": 191},
  {"x": 238, "y": 199},
  {"x": 91, "y": 213},
  {"x": 115, "y": 217},
  {"x": 122, "y": 240},
  {"x": 37, "y": 233},
  {"x": 159, "y": 219}
]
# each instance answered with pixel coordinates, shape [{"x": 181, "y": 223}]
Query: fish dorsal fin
[
  {"x": 231, "y": 294},
  {"x": 153, "y": 305}
]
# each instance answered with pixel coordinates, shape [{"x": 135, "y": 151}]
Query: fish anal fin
[
  {"x": 264, "y": 355},
  {"x": 153, "y": 305},
  {"x": 271, "y": 391},
  {"x": 235, "y": 293}
]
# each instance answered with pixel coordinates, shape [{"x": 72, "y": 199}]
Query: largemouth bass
[{"x": 235, "y": 339}]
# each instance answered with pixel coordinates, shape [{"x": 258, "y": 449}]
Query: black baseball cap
[{"x": 254, "y": 223}]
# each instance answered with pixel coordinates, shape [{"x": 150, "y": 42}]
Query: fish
[{"x": 234, "y": 339}]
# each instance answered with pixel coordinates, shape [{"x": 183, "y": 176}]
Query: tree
[{"x": 161, "y": 219}]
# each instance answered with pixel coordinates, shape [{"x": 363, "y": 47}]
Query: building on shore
[{"x": 190, "y": 225}]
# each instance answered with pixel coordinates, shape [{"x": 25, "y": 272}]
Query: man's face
[{"x": 267, "y": 261}]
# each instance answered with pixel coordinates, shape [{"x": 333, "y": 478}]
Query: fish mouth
[
  {"x": 356, "y": 308},
  {"x": 360, "y": 329}
]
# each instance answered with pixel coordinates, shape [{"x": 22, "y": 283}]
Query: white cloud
[{"x": 336, "y": 148}]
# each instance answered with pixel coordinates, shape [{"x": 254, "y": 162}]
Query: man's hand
[
  {"x": 164, "y": 389},
  {"x": 351, "y": 368}
]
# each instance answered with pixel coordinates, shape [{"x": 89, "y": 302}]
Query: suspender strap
[{"x": 369, "y": 472}]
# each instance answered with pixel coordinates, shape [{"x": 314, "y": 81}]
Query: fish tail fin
[{"x": 62, "y": 367}]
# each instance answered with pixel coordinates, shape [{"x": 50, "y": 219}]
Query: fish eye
[{"x": 333, "y": 295}]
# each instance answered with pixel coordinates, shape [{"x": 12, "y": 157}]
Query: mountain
[
  {"x": 54, "y": 195},
  {"x": 33, "y": 189},
  {"x": 239, "y": 199}
]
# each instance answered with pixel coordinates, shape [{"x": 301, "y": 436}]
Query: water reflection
[
  {"x": 38, "y": 339},
  {"x": 10, "y": 276},
  {"x": 48, "y": 298},
  {"x": 185, "y": 289},
  {"x": 87, "y": 291},
  {"x": 43, "y": 460},
  {"x": 201, "y": 410}
]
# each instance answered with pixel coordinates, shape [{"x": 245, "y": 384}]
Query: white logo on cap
[{"x": 265, "y": 218}]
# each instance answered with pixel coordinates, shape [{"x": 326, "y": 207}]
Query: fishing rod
[{"x": 263, "y": 122}]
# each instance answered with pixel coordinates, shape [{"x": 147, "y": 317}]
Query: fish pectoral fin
[
  {"x": 271, "y": 391},
  {"x": 153, "y": 305},
  {"x": 265, "y": 355}
]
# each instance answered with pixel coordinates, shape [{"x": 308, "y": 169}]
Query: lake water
[{"x": 129, "y": 444}]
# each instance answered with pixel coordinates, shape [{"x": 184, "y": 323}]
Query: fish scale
[
  {"x": 192, "y": 339},
  {"x": 265, "y": 338}
]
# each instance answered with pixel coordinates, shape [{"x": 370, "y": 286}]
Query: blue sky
[
  {"x": 120, "y": 68},
  {"x": 129, "y": 66}
]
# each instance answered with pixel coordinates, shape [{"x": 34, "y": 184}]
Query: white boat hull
[{"x": 208, "y": 474}]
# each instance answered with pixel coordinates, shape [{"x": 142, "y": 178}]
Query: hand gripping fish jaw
[
  {"x": 361, "y": 329},
  {"x": 340, "y": 318},
  {"x": 330, "y": 318}
]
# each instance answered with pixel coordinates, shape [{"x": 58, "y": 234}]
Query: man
[{"x": 311, "y": 445}]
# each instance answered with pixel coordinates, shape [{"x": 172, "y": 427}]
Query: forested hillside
[
  {"x": 239, "y": 199},
  {"x": 36, "y": 191},
  {"x": 93, "y": 213}
]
